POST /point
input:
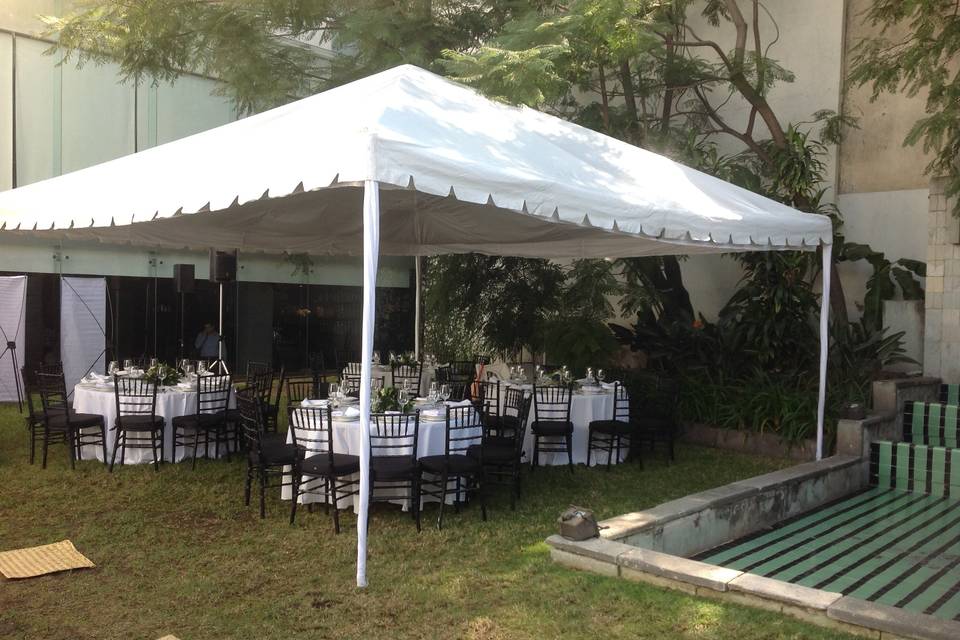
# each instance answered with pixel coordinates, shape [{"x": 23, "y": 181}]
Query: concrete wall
[
  {"x": 873, "y": 157},
  {"x": 942, "y": 326},
  {"x": 877, "y": 185},
  {"x": 811, "y": 46}
]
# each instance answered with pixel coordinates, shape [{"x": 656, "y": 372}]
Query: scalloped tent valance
[{"x": 467, "y": 174}]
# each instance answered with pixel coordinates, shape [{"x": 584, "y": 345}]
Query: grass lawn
[{"x": 177, "y": 552}]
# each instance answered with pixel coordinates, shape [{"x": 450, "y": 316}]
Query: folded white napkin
[
  {"x": 308, "y": 402},
  {"x": 608, "y": 385},
  {"x": 351, "y": 412},
  {"x": 462, "y": 403}
]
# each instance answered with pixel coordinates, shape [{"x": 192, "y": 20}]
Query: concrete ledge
[
  {"x": 692, "y": 524},
  {"x": 699, "y": 574},
  {"x": 595, "y": 548},
  {"x": 891, "y": 620},
  {"x": 583, "y": 563},
  {"x": 784, "y": 592}
]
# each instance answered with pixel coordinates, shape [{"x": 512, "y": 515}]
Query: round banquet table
[
  {"x": 99, "y": 399},
  {"x": 348, "y": 438},
  {"x": 584, "y": 408}
]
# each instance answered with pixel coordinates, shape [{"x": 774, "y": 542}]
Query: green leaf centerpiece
[
  {"x": 162, "y": 374},
  {"x": 388, "y": 399}
]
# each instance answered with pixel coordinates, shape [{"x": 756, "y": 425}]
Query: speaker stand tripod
[
  {"x": 219, "y": 365},
  {"x": 12, "y": 348}
]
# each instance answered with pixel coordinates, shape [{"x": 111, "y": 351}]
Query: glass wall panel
[
  {"x": 97, "y": 116},
  {"x": 38, "y": 112}
]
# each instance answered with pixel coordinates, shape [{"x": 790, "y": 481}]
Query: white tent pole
[
  {"x": 824, "y": 343},
  {"x": 371, "y": 255},
  {"x": 417, "y": 319}
]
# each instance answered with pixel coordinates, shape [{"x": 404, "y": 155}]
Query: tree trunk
[
  {"x": 668, "y": 90},
  {"x": 626, "y": 79}
]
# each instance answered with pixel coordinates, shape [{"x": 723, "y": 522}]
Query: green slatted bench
[
  {"x": 931, "y": 423},
  {"x": 950, "y": 393},
  {"x": 916, "y": 468}
]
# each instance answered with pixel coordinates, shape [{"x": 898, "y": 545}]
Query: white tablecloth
[
  {"x": 171, "y": 402},
  {"x": 348, "y": 438},
  {"x": 584, "y": 408}
]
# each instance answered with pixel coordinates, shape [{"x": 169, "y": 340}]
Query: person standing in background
[{"x": 208, "y": 342}]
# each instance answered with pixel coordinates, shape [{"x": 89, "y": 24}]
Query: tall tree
[
  {"x": 256, "y": 47},
  {"x": 924, "y": 58}
]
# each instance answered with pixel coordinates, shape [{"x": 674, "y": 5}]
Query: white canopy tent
[{"x": 434, "y": 168}]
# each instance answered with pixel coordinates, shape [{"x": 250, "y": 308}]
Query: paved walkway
[{"x": 883, "y": 545}]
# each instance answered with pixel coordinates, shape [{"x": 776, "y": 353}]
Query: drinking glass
[
  {"x": 188, "y": 369},
  {"x": 153, "y": 362},
  {"x": 589, "y": 376},
  {"x": 434, "y": 392},
  {"x": 128, "y": 365},
  {"x": 601, "y": 375},
  {"x": 376, "y": 357},
  {"x": 444, "y": 392},
  {"x": 334, "y": 394},
  {"x": 112, "y": 367},
  {"x": 201, "y": 367},
  {"x": 403, "y": 394}
]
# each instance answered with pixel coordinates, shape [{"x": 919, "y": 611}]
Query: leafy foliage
[{"x": 924, "y": 58}]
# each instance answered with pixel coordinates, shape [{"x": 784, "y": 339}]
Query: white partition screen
[
  {"x": 13, "y": 309},
  {"x": 83, "y": 312}
]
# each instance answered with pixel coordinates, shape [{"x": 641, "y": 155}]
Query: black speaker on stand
[
  {"x": 223, "y": 269},
  {"x": 183, "y": 283}
]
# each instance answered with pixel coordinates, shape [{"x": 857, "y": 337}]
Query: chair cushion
[
  {"x": 192, "y": 421},
  {"x": 139, "y": 423},
  {"x": 551, "y": 427},
  {"x": 319, "y": 465},
  {"x": 274, "y": 453},
  {"x": 454, "y": 465},
  {"x": 612, "y": 427},
  {"x": 494, "y": 453},
  {"x": 78, "y": 420},
  {"x": 507, "y": 422},
  {"x": 387, "y": 468}
]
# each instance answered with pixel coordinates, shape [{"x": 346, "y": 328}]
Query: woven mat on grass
[{"x": 38, "y": 561}]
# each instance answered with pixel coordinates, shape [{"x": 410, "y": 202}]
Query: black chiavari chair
[
  {"x": 608, "y": 435},
  {"x": 266, "y": 457},
  {"x": 323, "y": 472},
  {"x": 552, "y": 429},
  {"x": 137, "y": 425},
  {"x": 393, "y": 459},
  {"x": 463, "y": 430},
  {"x": 209, "y": 419}
]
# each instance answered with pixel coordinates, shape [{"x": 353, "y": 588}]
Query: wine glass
[
  {"x": 153, "y": 362},
  {"x": 188, "y": 369},
  {"x": 201, "y": 367},
  {"x": 334, "y": 394},
  {"x": 128, "y": 365},
  {"x": 112, "y": 368},
  {"x": 434, "y": 392},
  {"x": 601, "y": 375},
  {"x": 376, "y": 357},
  {"x": 444, "y": 392}
]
